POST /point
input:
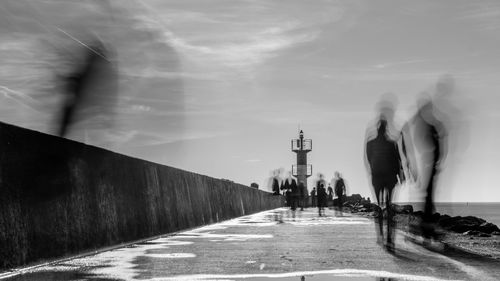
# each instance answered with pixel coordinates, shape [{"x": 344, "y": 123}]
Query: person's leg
[
  {"x": 390, "y": 216},
  {"x": 427, "y": 224},
  {"x": 379, "y": 219}
]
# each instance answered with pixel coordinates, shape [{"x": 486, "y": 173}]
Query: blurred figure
[
  {"x": 321, "y": 198},
  {"x": 313, "y": 197},
  {"x": 330, "y": 194},
  {"x": 340, "y": 190},
  {"x": 289, "y": 185},
  {"x": 91, "y": 83},
  {"x": 383, "y": 161},
  {"x": 320, "y": 193},
  {"x": 429, "y": 139},
  {"x": 302, "y": 195},
  {"x": 275, "y": 182}
]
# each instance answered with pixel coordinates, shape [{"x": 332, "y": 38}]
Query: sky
[{"x": 221, "y": 87}]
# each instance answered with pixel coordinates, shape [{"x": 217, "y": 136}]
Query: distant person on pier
[
  {"x": 330, "y": 194},
  {"x": 384, "y": 167},
  {"x": 289, "y": 185},
  {"x": 313, "y": 197},
  {"x": 321, "y": 198},
  {"x": 340, "y": 190},
  {"x": 302, "y": 195},
  {"x": 275, "y": 183}
]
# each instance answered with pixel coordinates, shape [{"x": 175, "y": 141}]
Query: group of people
[
  {"x": 414, "y": 152},
  {"x": 322, "y": 197},
  {"x": 296, "y": 194},
  {"x": 393, "y": 155}
]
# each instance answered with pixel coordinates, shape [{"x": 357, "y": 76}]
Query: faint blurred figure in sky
[
  {"x": 383, "y": 161},
  {"x": 89, "y": 88}
]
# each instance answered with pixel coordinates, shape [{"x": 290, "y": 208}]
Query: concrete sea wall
[{"x": 59, "y": 197}]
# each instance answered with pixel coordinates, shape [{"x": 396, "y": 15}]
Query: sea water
[{"x": 487, "y": 211}]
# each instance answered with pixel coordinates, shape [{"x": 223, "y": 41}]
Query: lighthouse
[{"x": 302, "y": 170}]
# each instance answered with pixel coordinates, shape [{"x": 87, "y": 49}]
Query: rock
[
  {"x": 353, "y": 199},
  {"x": 488, "y": 227},
  {"x": 462, "y": 227},
  {"x": 418, "y": 214},
  {"x": 476, "y": 233},
  {"x": 444, "y": 220},
  {"x": 472, "y": 233},
  {"x": 462, "y": 224},
  {"x": 435, "y": 217},
  {"x": 495, "y": 233},
  {"x": 402, "y": 209}
]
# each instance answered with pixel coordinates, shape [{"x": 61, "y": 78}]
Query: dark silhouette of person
[
  {"x": 294, "y": 194},
  {"x": 285, "y": 186},
  {"x": 340, "y": 190},
  {"x": 302, "y": 195},
  {"x": 276, "y": 184},
  {"x": 382, "y": 155},
  {"x": 330, "y": 194},
  {"x": 321, "y": 198},
  {"x": 313, "y": 197},
  {"x": 291, "y": 191}
]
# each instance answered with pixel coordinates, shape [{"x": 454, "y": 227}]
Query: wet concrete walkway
[{"x": 272, "y": 245}]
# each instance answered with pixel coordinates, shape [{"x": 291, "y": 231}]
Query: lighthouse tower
[{"x": 302, "y": 170}]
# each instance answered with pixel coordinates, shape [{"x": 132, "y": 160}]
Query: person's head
[
  {"x": 386, "y": 106},
  {"x": 337, "y": 174},
  {"x": 322, "y": 185}
]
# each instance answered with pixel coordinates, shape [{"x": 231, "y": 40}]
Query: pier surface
[{"x": 272, "y": 245}]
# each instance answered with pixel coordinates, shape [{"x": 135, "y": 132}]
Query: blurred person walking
[
  {"x": 313, "y": 197},
  {"x": 302, "y": 195},
  {"x": 321, "y": 198},
  {"x": 330, "y": 195},
  {"x": 430, "y": 141},
  {"x": 384, "y": 161},
  {"x": 340, "y": 190}
]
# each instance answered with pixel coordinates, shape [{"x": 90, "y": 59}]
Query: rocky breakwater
[
  {"x": 472, "y": 234},
  {"x": 355, "y": 203},
  {"x": 468, "y": 225}
]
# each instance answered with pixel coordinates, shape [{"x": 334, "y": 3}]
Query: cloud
[
  {"x": 229, "y": 42},
  {"x": 485, "y": 14},
  {"x": 397, "y": 63}
]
